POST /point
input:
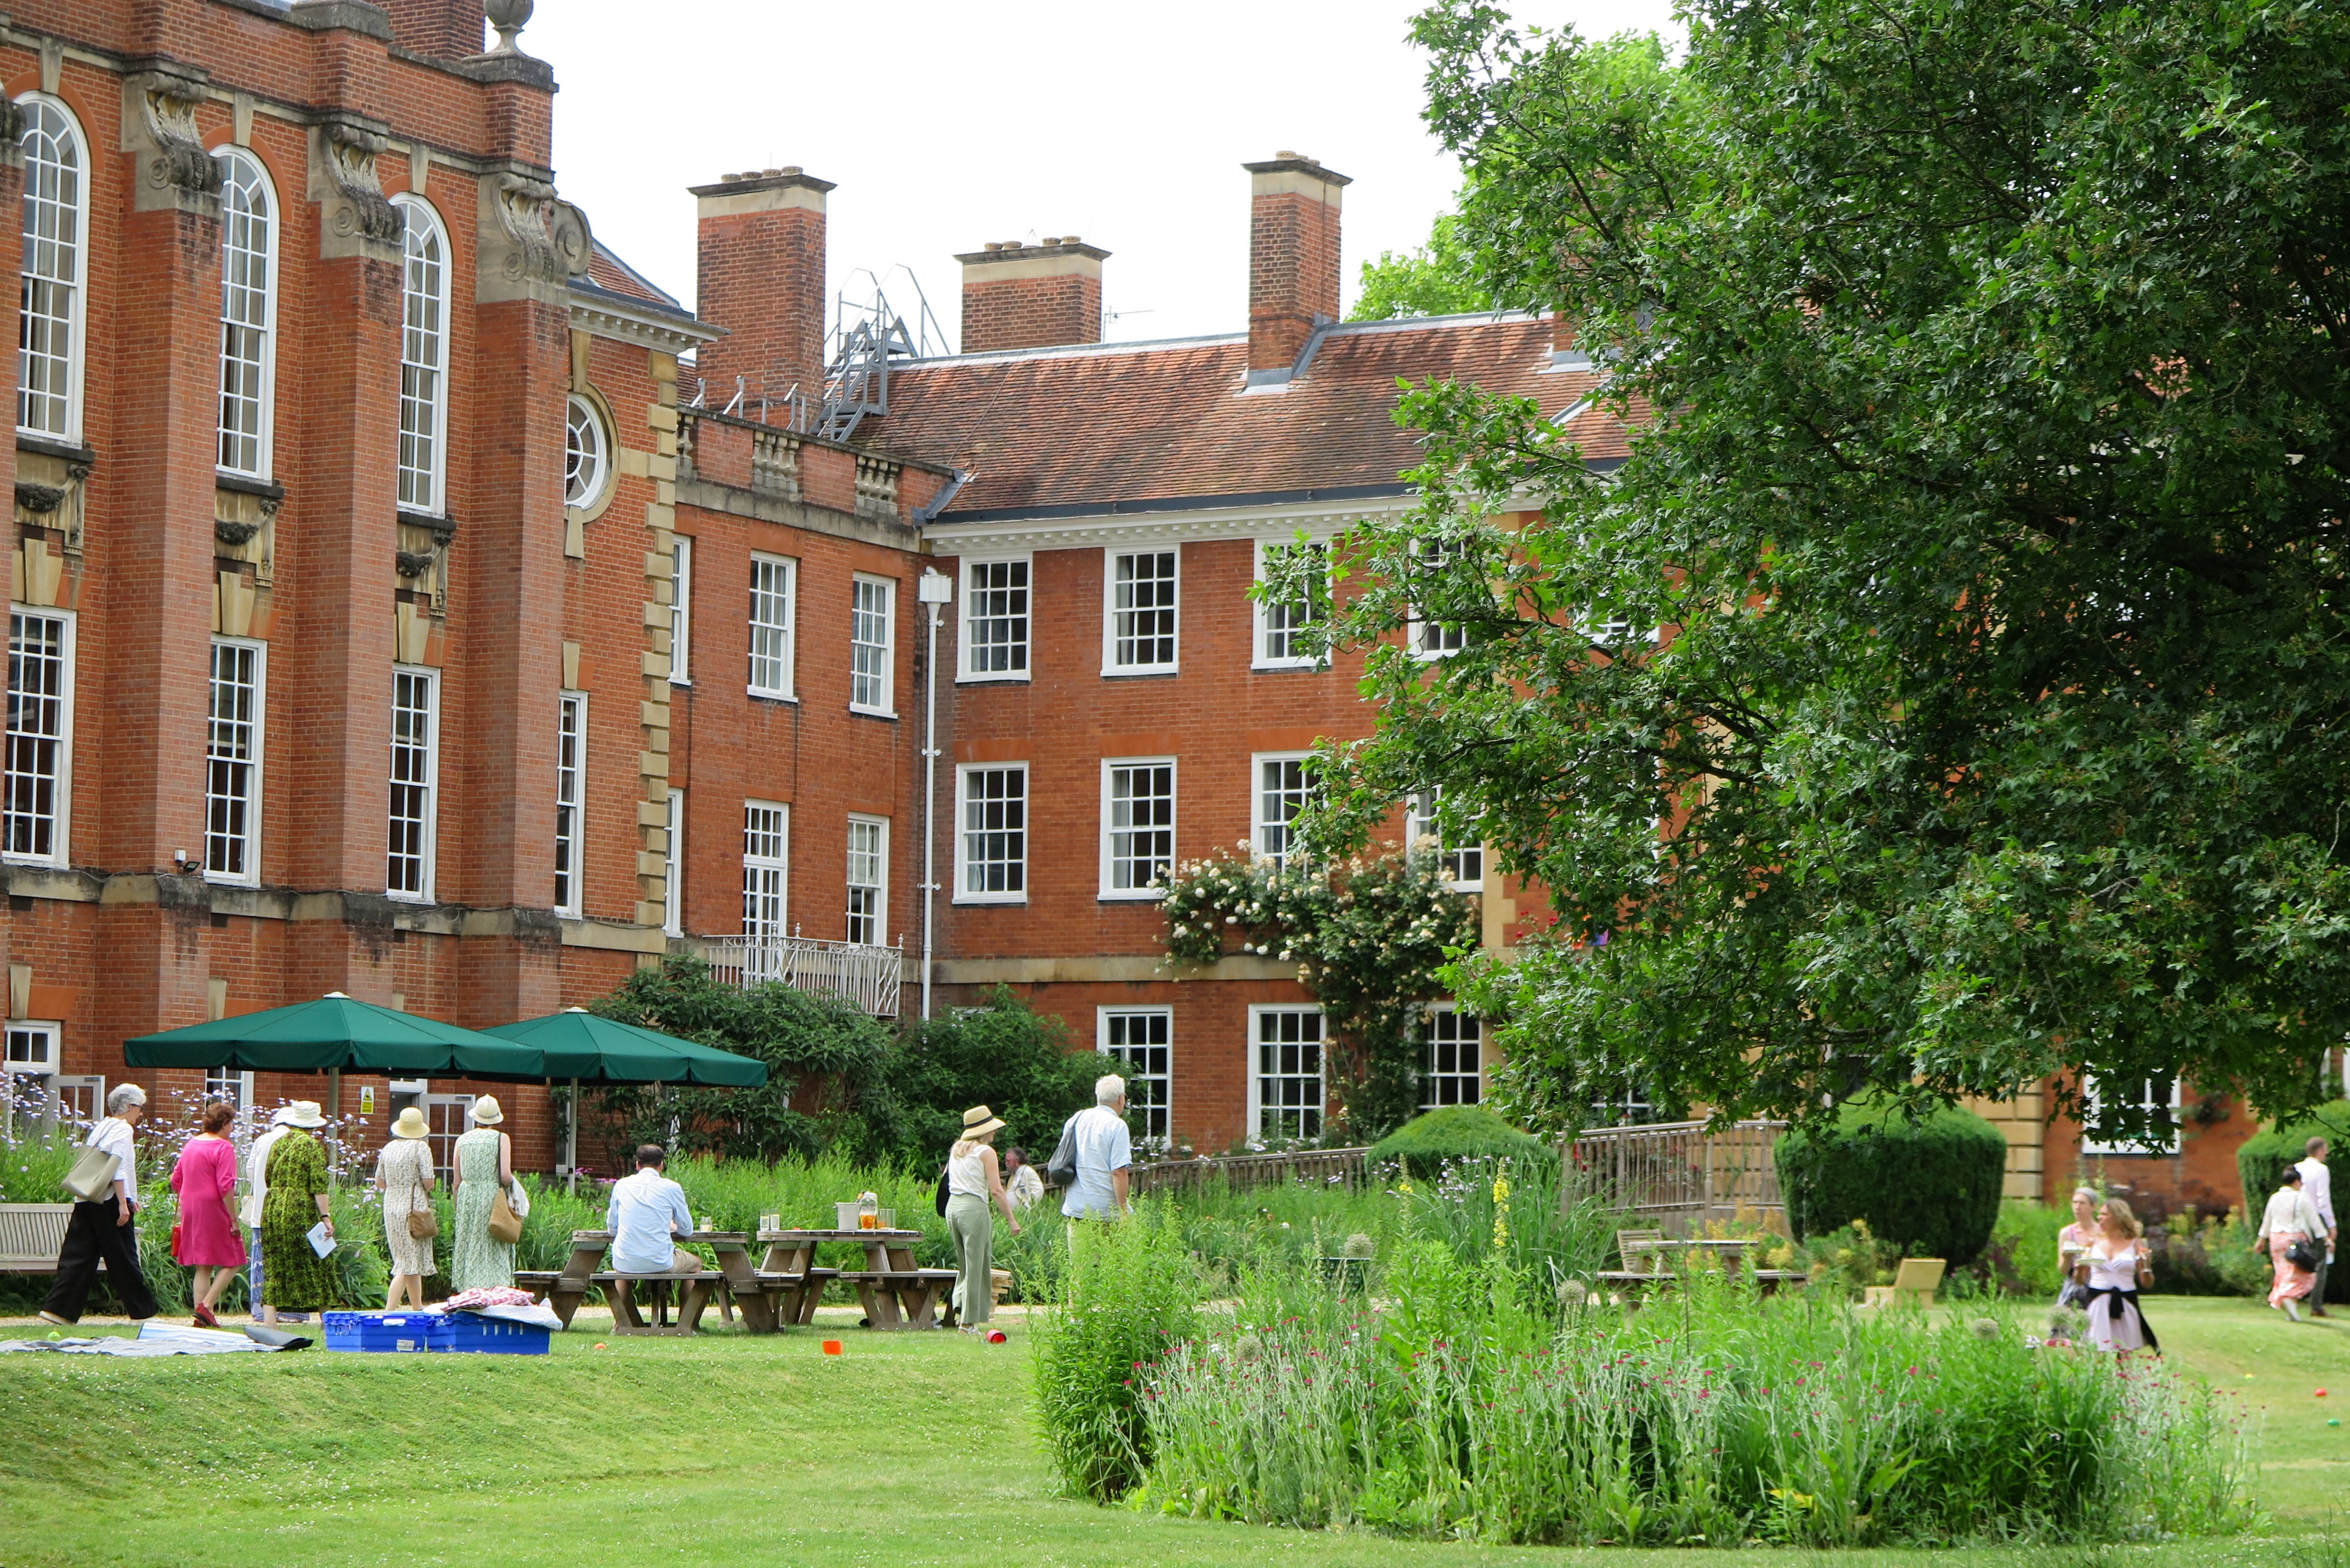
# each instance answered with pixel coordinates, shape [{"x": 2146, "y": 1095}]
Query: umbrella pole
[
  {"x": 334, "y": 1119},
  {"x": 571, "y": 1138}
]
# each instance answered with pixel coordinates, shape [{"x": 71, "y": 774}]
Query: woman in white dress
[
  {"x": 2117, "y": 1265},
  {"x": 403, "y": 1174},
  {"x": 2291, "y": 1220}
]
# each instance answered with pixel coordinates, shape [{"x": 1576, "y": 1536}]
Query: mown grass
[{"x": 911, "y": 1450}]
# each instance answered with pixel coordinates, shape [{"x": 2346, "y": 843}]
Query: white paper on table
[{"x": 322, "y": 1241}]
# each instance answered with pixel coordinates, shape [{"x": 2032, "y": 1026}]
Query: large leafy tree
[{"x": 1991, "y": 367}]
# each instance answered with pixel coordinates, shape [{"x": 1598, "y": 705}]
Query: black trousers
[{"x": 91, "y": 1235}]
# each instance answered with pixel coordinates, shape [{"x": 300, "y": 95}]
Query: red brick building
[{"x": 393, "y": 613}]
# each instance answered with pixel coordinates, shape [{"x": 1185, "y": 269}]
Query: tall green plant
[{"x": 1128, "y": 1299}]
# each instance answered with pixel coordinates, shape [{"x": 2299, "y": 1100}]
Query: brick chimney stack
[
  {"x": 760, "y": 275},
  {"x": 1293, "y": 259},
  {"x": 1032, "y": 297},
  {"x": 443, "y": 29}
]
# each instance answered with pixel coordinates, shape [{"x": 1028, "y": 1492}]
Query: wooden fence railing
[
  {"x": 1676, "y": 1169},
  {"x": 1321, "y": 1166}
]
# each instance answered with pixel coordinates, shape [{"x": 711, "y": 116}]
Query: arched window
[
  {"x": 56, "y": 212},
  {"x": 423, "y": 361},
  {"x": 248, "y": 312},
  {"x": 585, "y": 465}
]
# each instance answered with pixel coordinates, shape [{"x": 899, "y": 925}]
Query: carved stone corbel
[
  {"x": 532, "y": 242},
  {"x": 159, "y": 126},
  {"x": 355, "y": 217}
]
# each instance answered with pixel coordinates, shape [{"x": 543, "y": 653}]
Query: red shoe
[{"x": 204, "y": 1318}]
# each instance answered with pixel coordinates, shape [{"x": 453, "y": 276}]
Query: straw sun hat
[
  {"x": 978, "y": 1122},
  {"x": 409, "y": 1123},
  {"x": 487, "y": 1113},
  {"x": 304, "y": 1114}
]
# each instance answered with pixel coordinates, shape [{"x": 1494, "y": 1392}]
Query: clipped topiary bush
[
  {"x": 2260, "y": 1159},
  {"x": 1931, "y": 1187},
  {"x": 1423, "y": 1143}
]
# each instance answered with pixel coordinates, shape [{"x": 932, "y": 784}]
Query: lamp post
[{"x": 935, "y": 589}]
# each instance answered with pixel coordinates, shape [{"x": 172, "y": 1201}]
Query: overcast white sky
[{"x": 949, "y": 124}]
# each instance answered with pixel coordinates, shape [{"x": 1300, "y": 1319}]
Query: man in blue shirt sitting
[{"x": 645, "y": 1211}]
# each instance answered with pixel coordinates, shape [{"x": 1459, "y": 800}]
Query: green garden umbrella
[
  {"x": 580, "y": 1045},
  {"x": 337, "y": 1033}
]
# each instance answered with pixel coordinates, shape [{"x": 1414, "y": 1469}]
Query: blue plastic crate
[
  {"x": 494, "y": 1335},
  {"x": 390, "y": 1332}
]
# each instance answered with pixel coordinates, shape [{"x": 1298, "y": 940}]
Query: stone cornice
[{"x": 608, "y": 314}]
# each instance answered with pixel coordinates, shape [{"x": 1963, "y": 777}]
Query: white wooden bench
[{"x": 31, "y": 1235}]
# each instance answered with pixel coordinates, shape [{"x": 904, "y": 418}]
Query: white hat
[
  {"x": 409, "y": 1123},
  {"x": 487, "y": 1113},
  {"x": 303, "y": 1114}
]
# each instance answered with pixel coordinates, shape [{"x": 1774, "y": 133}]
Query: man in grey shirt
[{"x": 1104, "y": 1151}]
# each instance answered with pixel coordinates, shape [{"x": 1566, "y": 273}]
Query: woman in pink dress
[{"x": 205, "y": 1240}]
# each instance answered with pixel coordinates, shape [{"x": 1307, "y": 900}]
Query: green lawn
[{"x": 910, "y": 1450}]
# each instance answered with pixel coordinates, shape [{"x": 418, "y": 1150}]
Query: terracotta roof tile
[{"x": 1090, "y": 428}]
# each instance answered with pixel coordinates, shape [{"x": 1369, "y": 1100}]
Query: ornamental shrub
[
  {"x": 1930, "y": 1186},
  {"x": 1423, "y": 1144},
  {"x": 2260, "y": 1159}
]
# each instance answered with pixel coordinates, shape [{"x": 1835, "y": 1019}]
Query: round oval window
[{"x": 585, "y": 462}]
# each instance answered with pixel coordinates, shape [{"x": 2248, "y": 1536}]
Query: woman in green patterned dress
[
  {"x": 293, "y": 1277},
  {"x": 484, "y": 1162}
]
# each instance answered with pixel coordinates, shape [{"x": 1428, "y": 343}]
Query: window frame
[
  {"x": 570, "y": 870},
  {"x": 250, "y": 875},
  {"x": 1453, "y": 638},
  {"x": 1259, "y": 627},
  {"x": 1421, "y": 823},
  {"x": 579, "y": 403},
  {"x": 965, "y": 675},
  {"x": 887, "y": 707},
  {"x": 1430, "y": 1076},
  {"x": 1111, "y": 668},
  {"x": 45, "y": 1073},
  {"x": 880, "y": 886},
  {"x": 437, "y": 504},
  {"x": 1259, "y": 825},
  {"x": 673, "y": 868},
  {"x": 789, "y": 630},
  {"x": 963, "y": 893},
  {"x": 273, "y": 221},
  {"x": 2093, "y": 1147},
  {"x": 61, "y": 786},
  {"x": 429, "y": 840},
  {"x": 1109, "y": 891},
  {"x": 77, "y": 316},
  {"x": 680, "y": 610},
  {"x": 1257, "y": 1012},
  {"x": 1159, "y": 1108},
  {"x": 777, "y": 865}
]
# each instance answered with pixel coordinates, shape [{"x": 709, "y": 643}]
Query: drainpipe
[{"x": 935, "y": 589}]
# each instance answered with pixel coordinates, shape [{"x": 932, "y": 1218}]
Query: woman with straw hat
[
  {"x": 403, "y": 1174},
  {"x": 293, "y": 1277},
  {"x": 481, "y": 1168},
  {"x": 975, "y": 1178}
]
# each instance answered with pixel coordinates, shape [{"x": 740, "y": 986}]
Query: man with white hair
[
  {"x": 103, "y": 1230},
  {"x": 1102, "y": 1150}
]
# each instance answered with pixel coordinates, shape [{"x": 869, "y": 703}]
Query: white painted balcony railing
[
  {"x": 866, "y": 975},
  {"x": 1677, "y": 1168}
]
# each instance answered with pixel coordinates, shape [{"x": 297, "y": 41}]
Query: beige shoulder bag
[{"x": 423, "y": 1224}]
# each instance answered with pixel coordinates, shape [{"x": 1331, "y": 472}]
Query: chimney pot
[
  {"x": 1285, "y": 154},
  {"x": 1050, "y": 240},
  {"x": 1293, "y": 259}
]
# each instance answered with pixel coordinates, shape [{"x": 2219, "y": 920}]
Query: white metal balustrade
[
  {"x": 1677, "y": 1168},
  {"x": 858, "y": 972}
]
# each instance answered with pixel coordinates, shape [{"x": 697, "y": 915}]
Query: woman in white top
[
  {"x": 2115, "y": 1267},
  {"x": 2290, "y": 1220},
  {"x": 975, "y": 1178}
]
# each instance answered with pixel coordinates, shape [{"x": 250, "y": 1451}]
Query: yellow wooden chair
[{"x": 1913, "y": 1285}]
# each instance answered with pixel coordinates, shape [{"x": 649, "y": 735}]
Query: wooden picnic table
[
  {"x": 565, "y": 1288},
  {"x": 897, "y": 1294},
  {"x": 1660, "y": 1254}
]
